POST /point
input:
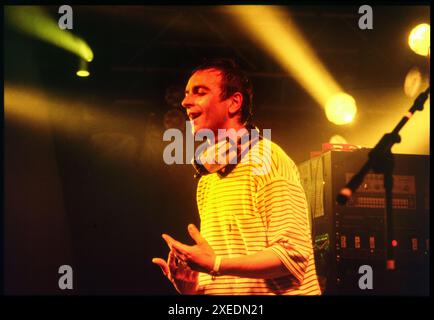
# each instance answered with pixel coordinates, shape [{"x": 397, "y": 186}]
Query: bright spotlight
[
  {"x": 82, "y": 73},
  {"x": 341, "y": 108},
  {"x": 418, "y": 40},
  {"x": 83, "y": 70},
  {"x": 274, "y": 30},
  {"x": 34, "y": 21}
]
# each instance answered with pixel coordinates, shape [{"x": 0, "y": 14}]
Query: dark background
[{"x": 88, "y": 187}]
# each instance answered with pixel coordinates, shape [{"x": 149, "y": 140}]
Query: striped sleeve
[{"x": 284, "y": 209}]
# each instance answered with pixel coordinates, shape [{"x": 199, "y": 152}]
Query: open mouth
[{"x": 194, "y": 115}]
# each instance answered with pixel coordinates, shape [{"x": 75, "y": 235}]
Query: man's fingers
[
  {"x": 168, "y": 240},
  {"x": 173, "y": 244},
  {"x": 162, "y": 264},
  {"x": 195, "y": 234}
]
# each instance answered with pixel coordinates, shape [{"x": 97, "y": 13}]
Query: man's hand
[
  {"x": 182, "y": 277},
  {"x": 199, "y": 257}
]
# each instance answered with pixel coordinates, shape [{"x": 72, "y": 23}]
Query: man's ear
[{"x": 236, "y": 101}]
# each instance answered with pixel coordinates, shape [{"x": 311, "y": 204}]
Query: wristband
[{"x": 215, "y": 270}]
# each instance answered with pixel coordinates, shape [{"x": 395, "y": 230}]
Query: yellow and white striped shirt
[{"x": 252, "y": 210}]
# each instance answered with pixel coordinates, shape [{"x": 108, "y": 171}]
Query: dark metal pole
[{"x": 380, "y": 160}]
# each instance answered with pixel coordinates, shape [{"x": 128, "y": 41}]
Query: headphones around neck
[{"x": 224, "y": 169}]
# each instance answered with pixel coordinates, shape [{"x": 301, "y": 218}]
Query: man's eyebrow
[{"x": 195, "y": 88}]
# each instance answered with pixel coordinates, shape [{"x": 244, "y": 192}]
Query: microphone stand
[{"x": 380, "y": 160}]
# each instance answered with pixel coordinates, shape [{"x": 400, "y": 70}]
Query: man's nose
[{"x": 187, "y": 101}]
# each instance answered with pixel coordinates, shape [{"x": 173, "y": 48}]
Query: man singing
[{"x": 254, "y": 236}]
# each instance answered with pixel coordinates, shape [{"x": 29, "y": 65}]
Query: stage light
[
  {"x": 35, "y": 21},
  {"x": 280, "y": 37},
  {"x": 82, "y": 73},
  {"x": 419, "y": 39},
  {"x": 83, "y": 70},
  {"x": 341, "y": 108}
]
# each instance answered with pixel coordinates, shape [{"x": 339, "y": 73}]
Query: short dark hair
[{"x": 234, "y": 79}]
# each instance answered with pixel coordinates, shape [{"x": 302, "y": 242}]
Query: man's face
[{"x": 202, "y": 101}]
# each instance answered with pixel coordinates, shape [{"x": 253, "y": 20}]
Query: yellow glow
[
  {"x": 280, "y": 38},
  {"x": 341, "y": 109},
  {"x": 41, "y": 111},
  {"x": 338, "y": 139},
  {"x": 37, "y": 107},
  {"x": 419, "y": 39},
  {"x": 83, "y": 73},
  {"x": 34, "y": 21},
  {"x": 415, "y": 134},
  {"x": 413, "y": 82},
  {"x": 391, "y": 105}
]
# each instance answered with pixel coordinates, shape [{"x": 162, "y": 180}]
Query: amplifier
[{"x": 349, "y": 240}]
